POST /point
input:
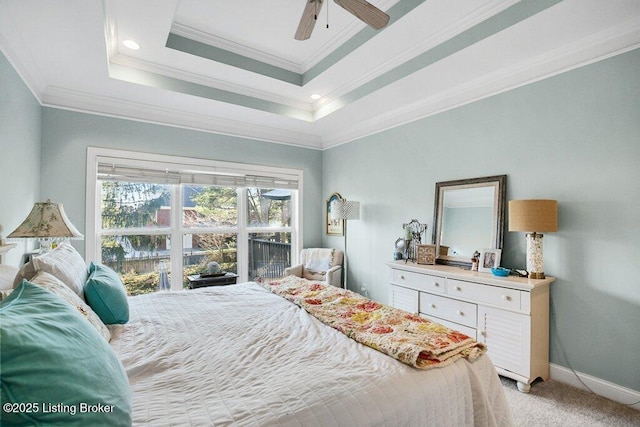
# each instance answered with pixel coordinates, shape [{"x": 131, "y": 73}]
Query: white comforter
[{"x": 239, "y": 355}]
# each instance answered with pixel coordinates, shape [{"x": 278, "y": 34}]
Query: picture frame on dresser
[{"x": 489, "y": 258}]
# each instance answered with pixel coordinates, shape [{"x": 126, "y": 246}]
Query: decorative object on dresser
[
  {"x": 398, "y": 249},
  {"x": 48, "y": 223},
  {"x": 489, "y": 258},
  {"x": 413, "y": 231},
  {"x": 533, "y": 216},
  {"x": 468, "y": 215},
  {"x": 508, "y": 314},
  {"x": 426, "y": 254},
  {"x": 345, "y": 210}
]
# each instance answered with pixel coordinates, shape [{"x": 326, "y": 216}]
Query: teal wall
[
  {"x": 66, "y": 136},
  {"x": 20, "y": 121},
  {"x": 575, "y": 138}
]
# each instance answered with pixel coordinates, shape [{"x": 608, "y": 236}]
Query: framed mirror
[{"x": 468, "y": 216}]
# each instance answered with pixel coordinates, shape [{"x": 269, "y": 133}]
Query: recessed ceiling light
[
  {"x": 315, "y": 96},
  {"x": 131, "y": 44}
]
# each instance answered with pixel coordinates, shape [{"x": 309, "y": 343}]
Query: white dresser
[{"x": 509, "y": 314}]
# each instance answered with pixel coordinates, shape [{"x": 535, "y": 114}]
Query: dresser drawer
[
  {"x": 471, "y": 332},
  {"x": 403, "y": 298},
  {"x": 422, "y": 282},
  {"x": 494, "y": 295},
  {"x": 452, "y": 310}
]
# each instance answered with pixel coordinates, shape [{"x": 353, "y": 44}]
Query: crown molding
[
  {"x": 449, "y": 31},
  {"x": 84, "y": 102},
  {"x": 22, "y": 62},
  {"x": 594, "y": 48},
  {"x": 173, "y": 72},
  {"x": 237, "y": 48}
]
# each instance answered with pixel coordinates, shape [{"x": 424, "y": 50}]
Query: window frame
[{"x": 94, "y": 230}]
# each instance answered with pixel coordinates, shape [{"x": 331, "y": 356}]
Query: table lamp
[
  {"x": 534, "y": 216},
  {"x": 48, "y": 223}
]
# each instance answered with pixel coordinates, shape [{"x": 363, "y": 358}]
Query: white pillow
[
  {"x": 7, "y": 274},
  {"x": 52, "y": 284},
  {"x": 64, "y": 262}
]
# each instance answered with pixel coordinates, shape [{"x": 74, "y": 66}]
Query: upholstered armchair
[{"x": 321, "y": 264}]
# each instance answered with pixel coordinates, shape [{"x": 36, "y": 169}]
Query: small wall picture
[
  {"x": 334, "y": 227},
  {"x": 489, "y": 258},
  {"x": 426, "y": 254}
]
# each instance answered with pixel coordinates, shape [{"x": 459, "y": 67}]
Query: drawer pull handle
[
  {"x": 433, "y": 305},
  {"x": 402, "y": 277},
  {"x": 506, "y": 297},
  {"x": 458, "y": 288},
  {"x": 437, "y": 284},
  {"x": 460, "y": 313}
]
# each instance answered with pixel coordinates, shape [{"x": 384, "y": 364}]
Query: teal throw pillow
[
  {"x": 56, "y": 368},
  {"x": 106, "y": 295}
]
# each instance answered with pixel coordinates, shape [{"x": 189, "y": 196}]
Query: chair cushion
[
  {"x": 318, "y": 259},
  {"x": 314, "y": 275},
  {"x": 52, "y": 357}
]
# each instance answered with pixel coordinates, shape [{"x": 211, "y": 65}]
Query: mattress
[{"x": 240, "y": 355}]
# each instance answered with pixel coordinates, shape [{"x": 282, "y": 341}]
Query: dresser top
[{"x": 451, "y": 272}]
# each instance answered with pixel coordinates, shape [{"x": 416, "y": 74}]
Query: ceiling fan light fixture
[{"x": 131, "y": 44}]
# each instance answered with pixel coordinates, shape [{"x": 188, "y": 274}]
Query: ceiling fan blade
[
  {"x": 308, "y": 20},
  {"x": 366, "y": 12}
]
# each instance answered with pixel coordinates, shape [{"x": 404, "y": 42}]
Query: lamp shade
[
  {"x": 46, "y": 220},
  {"x": 535, "y": 215},
  {"x": 345, "y": 209}
]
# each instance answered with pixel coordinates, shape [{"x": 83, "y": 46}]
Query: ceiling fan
[{"x": 361, "y": 9}]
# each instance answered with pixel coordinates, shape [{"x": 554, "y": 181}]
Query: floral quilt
[{"x": 404, "y": 336}]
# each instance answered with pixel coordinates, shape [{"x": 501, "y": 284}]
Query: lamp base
[
  {"x": 536, "y": 275},
  {"x": 535, "y": 266}
]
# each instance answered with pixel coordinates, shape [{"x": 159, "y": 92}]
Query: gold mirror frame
[{"x": 500, "y": 184}]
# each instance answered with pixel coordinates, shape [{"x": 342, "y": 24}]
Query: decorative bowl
[{"x": 500, "y": 271}]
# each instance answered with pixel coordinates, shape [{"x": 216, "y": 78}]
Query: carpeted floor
[{"x": 552, "y": 403}]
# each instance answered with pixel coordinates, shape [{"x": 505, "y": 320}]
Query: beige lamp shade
[
  {"x": 46, "y": 220},
  {"x": 535, "y": 215}
]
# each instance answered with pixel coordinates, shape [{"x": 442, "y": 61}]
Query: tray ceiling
[{"x": 235, "y": 68}]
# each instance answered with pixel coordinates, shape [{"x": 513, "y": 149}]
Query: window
[{"x": 158, "y": 219}]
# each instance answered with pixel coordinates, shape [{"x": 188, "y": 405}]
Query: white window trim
[{"x": 136, "y": 158}]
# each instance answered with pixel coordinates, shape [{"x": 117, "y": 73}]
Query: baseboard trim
[{"x": 599, "y": 386}]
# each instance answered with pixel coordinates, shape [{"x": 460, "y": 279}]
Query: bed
[{"x": 243, "y": 355}]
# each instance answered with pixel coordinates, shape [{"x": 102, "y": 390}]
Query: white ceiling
[{"x": 233, "y": 67}]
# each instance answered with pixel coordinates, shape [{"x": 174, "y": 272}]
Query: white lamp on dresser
[{"x": 534, "y": 216}]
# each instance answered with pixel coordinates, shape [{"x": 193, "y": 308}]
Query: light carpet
[{"x": 552, "y": 403}]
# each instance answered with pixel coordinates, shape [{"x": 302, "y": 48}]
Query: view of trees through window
[{"x": 138, "y": 226}]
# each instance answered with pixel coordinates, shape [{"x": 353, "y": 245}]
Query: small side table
[{"x": 196, "y": 281}]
